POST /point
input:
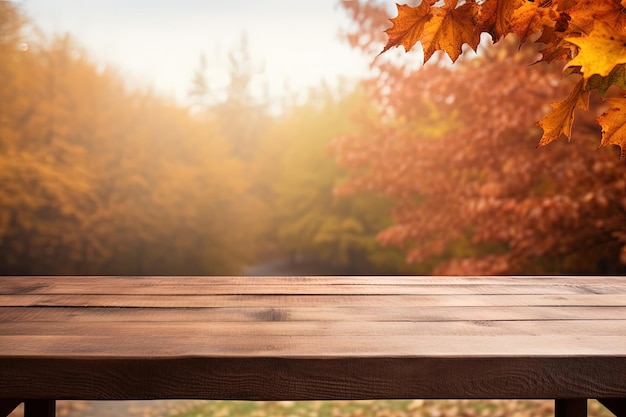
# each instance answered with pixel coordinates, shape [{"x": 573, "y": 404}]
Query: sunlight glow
[{"x": 159, "y": 43}]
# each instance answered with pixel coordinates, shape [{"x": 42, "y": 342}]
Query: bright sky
[{"x": 159, "y": 42}]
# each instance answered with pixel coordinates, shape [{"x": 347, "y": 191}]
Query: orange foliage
[
  {"x": 454, "y": 147},
  {"x": 587, "y": 34},
  {"x": 95, "y": 179},
  {"x": 98, "y": 179}
]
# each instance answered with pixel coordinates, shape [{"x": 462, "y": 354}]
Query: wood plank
[
  {"x": 28, "y": 300},
  {"x": 317, "y": 329},
  {"x": 306, "y": 314},
  {"x": 199, "y": 286},
  {"x": 320, "y": 347},
  {"x": 311, "y": 379},
  {"x": 322, "y": 280},
  {"x": 277, "y": 289},
  {"x": 312, "y": 338}
]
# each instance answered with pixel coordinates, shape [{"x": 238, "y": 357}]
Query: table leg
[
  {"x": 39, "y": 408},
  {"x": 571, "y": 408},
  {"x": 6, "y": 406},
  {"x": 616, "y": 406}
]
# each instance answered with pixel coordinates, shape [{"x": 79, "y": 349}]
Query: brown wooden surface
[{"x": 312, "y": 338}]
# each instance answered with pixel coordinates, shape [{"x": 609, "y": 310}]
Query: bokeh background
[{"x": 211, "y": 138}]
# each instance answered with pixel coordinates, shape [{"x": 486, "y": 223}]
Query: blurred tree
[
  {"x": 199, "y": 91},
  {"x": 587, "y": 36},
  {"x": 95, "y": 179},
  {"x": 240, "y": 113},
  {"x": 45, "y": 189},
  {"x": 307, "y": 223},
  {"x": 477, "y": 197},
  {"x": 239, "y": 116}
]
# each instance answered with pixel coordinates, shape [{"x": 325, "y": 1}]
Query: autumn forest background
[{"x": 413, "y": 170}]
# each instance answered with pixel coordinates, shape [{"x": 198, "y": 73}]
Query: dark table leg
[
  {"x": 571, "y": 408},
  {"x": 6, "y": 406},
  {"x": 616, "y": 406},
  {"x": 39, "y": 408}
]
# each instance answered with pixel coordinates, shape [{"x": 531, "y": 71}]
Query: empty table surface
[{"x": 266, "y": 338}]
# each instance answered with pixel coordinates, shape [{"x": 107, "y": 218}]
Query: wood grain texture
[
  {"x": 316, "y": 329},
  {"x": 313, "y": 285},
  {"x": 279, "y": 338},
  {"x": 277, "y": 301},
  {"x": 246, "y": 346},
  {"x": 311, "y": 281},
  {"x": 273, "y": 378},
  {"x": 306, "y": 314}
]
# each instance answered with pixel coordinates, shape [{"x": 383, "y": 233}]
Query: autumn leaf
[
  {"x": 560, "y": 119},
  {"x": 496, "y": 16},
  {"x": 613, "y": 122},
  {"x": 566, "y": 4},
  {"x": 588, "y": 35},
  {"x": 599, "y": 51},
  {"x": 450, "y": 28},
  {"x": 586, "y": 12},
  {"x": 616, "y": 77},
  {"x": 530, "y": 18},
  {"x": 556, "y": 48},
  {"x": 408, "y": 26}
]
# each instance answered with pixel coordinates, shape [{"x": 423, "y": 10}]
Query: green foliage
[{"x": 308, "y": 223}]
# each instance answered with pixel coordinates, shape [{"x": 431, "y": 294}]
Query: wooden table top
[{"x": 266, "y": 338}]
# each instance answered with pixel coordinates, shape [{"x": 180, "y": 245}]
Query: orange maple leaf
[
  {"x": 566, "y": 4},
  {"x": 613, "y": 122},
  {"x": 600, "y": 51},
  {"x": 495, "y": 16},
  {"x": 450, "y": 28},
  {"x": 556, "y": 48},
  {"x": 586, "y": 12},
  {"x": 530, "y": 18},
  {"x": 561, "y": 118},
  {"x": 408, "y": 26}
]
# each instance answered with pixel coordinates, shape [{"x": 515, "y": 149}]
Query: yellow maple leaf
[
  {"x": 600, "y": 51},
  {"x": 613, "y": 122},
  {"x": 450, "y": 28},
  {"x": 561, "y": 118},
  {"x": 408, "y": 26}
]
